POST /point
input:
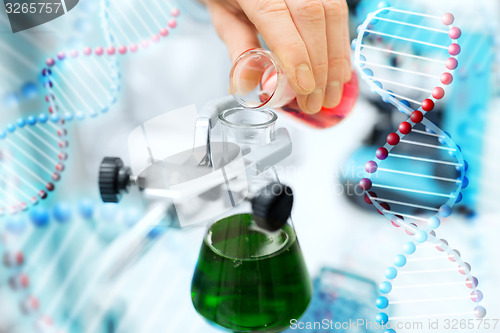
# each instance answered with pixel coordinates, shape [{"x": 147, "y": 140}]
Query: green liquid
[{"x": 247, "y": 279}]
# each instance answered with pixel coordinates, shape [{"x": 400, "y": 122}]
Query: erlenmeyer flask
[
  {"x": 258, "y": 80},
  {"x": 249, "y": 278}
]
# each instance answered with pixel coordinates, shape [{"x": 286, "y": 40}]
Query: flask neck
[{"x": 251, "y": 129}]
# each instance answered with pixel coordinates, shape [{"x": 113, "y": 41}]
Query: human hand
[{"x": 310, "y": 37}]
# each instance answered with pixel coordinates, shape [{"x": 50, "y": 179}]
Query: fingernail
[
  {"x": 333, "y": 94},
  {"x": 305, "y": 77},
  {"x": 315, "y": 101},
  {"x": 347, "y": 71}
]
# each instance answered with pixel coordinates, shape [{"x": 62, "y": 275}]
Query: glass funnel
[
  {"x": 258, "y": 80},
  {"x": 250, "y": 278}
]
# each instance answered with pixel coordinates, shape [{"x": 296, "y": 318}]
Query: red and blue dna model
[
  {"x": 79, "y": 83},
  {"x": 417, "y": 176}
]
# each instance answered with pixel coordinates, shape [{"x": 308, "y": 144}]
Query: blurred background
[{"x": 67, "y": 266}]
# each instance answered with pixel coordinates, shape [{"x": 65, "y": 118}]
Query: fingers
[
  {"x": 310, "y": 37},
  {"x": 237, "y": 33},
  {"x": 309, "y": 18},
  {"x": 274, "y": 22},
  {"x": 338, "y": 50}
]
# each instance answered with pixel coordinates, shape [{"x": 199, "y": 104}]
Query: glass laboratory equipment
[
  {"x": 251, "y": 275},
  {"x": 258, "y": 80}
]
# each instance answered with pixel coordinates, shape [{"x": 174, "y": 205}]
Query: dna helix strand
[
  {"x": 418, "y": 174},
  {"x": 15, "y": 235},
  {"x": 33, "y": 147},
  {"x": 19, "y": 63},
  {"x": 32, "y": 155},
  {"x": 418, "y": 140},
  {"x": 428, "y": 281},
  {"x": 95, "y": 84},
  {"x": 79, "y": 84},
  {"x": 26, "y": 240}
]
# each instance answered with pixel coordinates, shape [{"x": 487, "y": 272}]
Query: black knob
[
  {"x": 114, "y": 179},
  {"x": 272, "y": 206}
]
